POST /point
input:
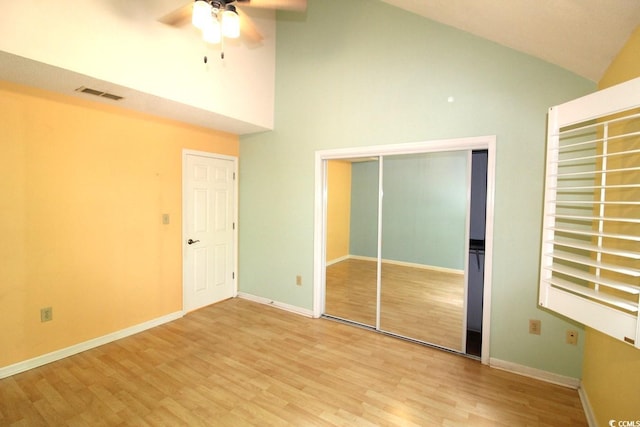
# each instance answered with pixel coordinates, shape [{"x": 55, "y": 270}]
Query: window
[{"x": 590, "y": 263}]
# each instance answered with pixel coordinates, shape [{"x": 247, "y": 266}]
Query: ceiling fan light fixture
[
  {"x": 230, "y": 22},
  {"x": 201, "y": 14},
  {"x": 211, "y": 32}
]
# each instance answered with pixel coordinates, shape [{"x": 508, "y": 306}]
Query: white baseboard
[
  {"x": 586, "y": 406},
  {"x": 337, "y": 260},
  {"x": 280, "y": 305},
  {"x": 537, "y": 374},
  {"x": 402, "y": 263},
  {"x": 25, "y": 365}
]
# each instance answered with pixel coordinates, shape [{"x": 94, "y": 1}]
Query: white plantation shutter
[{"x": 590, "y": 263}]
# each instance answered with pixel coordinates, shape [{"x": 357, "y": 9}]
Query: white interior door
[{"x": 209, "y": 229}]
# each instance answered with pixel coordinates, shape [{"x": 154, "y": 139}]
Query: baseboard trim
[
  {"x": 337, "y": 260},
  {"x": 280, "y": 305},
  {"x": 37, "y": 361},
  {"x": 405, "y": 264},
  {"x": 534, "y": 373},
  {"x": 586, "y": 406}
]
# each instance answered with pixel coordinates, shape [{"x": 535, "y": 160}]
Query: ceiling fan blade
[
  {"x": 293, "y": 5},
  {"x": 249, "y": 31},
  {"x": 179, "y": 16}
]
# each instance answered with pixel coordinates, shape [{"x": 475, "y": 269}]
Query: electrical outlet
[
  {"x": 299, "y": 280},
  {"x": 166, "y": 219},
  {"x": 572, "y": 337},
  {"x": 535, "y": 327},
  {"x": 46, "y": 314}
]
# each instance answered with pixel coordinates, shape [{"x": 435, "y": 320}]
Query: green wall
[
  {"x": 423, "y": 209},
  {"x": 360, "y": 73}
]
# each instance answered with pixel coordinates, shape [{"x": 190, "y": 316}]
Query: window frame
[{"x": 571, "y": 298}]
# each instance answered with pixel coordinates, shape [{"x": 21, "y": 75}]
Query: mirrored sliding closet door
[
  {"x": 396, "y": 244},
  {"x": 424, "y": 223},
  {"x": 352, "y": 240}
]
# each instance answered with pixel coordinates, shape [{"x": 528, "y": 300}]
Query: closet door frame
[{"x": 320, "y": 200}]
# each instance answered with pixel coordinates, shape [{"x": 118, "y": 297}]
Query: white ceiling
[
  {"x": 582, "y": 36},
  {"x": 120, "y": 47}
]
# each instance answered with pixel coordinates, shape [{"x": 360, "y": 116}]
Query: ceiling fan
[{"x": 220, "y": 19}]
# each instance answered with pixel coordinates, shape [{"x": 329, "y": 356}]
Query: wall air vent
[{"x": 99, "y": 93}]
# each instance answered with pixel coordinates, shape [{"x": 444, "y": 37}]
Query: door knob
[{"x": 191, "y": 241}]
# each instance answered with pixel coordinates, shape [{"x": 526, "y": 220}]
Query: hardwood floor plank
[
  {"x": 133, "y": 408},
  {"x": 21, "y": 409},
  {"x": 238, "y": 363},
  {"x": 418, "y": 303}
]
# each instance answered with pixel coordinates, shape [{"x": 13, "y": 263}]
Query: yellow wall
[
  {"x": 338, "y": 208},
  {"x": 83, "y": 187},
  {"x": 626, "y": 65},
  {"x": 611, "y": 368}
]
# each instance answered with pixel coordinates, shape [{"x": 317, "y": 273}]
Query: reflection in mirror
[
  {"x": 352, "y": 240},
  {"x": 424, "y": 223}
]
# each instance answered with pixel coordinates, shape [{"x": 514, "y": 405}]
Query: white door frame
[
  {"x": 185, "y": 153},
  {"x": 474, "y": 143}
]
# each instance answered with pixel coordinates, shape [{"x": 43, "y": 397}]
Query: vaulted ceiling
[
  {"x": 60, "y": 50},
  {"x": 582, "y": 36}
]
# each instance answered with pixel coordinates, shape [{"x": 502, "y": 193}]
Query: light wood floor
[
  {"x": 239, "y": 363},
  {"x": 426, "y": 305}
]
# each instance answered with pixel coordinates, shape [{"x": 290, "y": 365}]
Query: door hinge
[
  {"x": 234, "y": 176},
  {"x": 234, "y": 226},
  {"x": 233, "y": 275}
]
